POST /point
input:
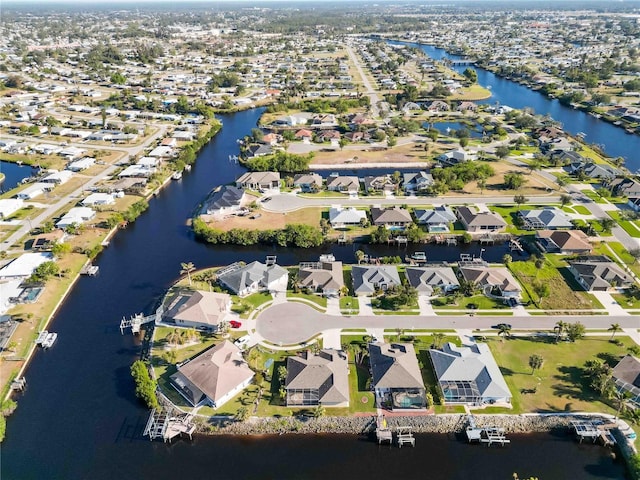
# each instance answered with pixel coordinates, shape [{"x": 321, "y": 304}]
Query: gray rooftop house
[
  {"x": 599, "y": 273},
  {"x": 415, "y": 182},
  {"x": 380, "y": 183},
  {"x": 396, "y": 375},
  {"x": 391, "y": 217},
  {"x": 625, "y": 187},
  {"x": 626, "y": 375},
  {"x": 426, "y": 279},
  {"x": 549, "y": 218},
  {"x": 318, "y": 379},
  {"x": 255, "y": 277},
  {"x": 342, "y": 183},
  {"x": 224, "y": 200},
  {"x": 601, "y": 171},
  {"x": 469, "y": 375},
  {"x": 197, "y": 309},
  {"x": 308, "y": 182},
  {"x": 436, "y": 219},
  {"x": 368, "y": 279},
  {"x": 259, "y": 180}
]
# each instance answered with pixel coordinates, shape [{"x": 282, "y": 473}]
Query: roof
[
  {"x": 491, "y": 276},
  {"x": 258, "y": 177},
  {"x": 435, "y": 216},
  {"x": 477, "y": 219},
  {"x": 24, "y": 265},
  {"x": 224, "y": 197},
  {"x": 628, "y": 370},
  {"x": 599, "y": 271},
  {"x": 549, "y": 217},
  {"x": 394, "y": 366},
  {"x": 328, "y": 277},
  {"x": 366, "y": 278},
  {"x": 566, "y": 240},
  {"x": 346, "y": 215},
  {"x": 424, "y": 279},
  {"x": 474, "y": 364},
  {"x": 390, "y": 215},
  {"x": 251, "y": 274},
  {"x": 326, "y": 372},
  {"x": 343, "y": 181},
  {"x": 207, "y": 308},
  {"x": 307, "y": 179},
  {"x": 214, "y": 373}
]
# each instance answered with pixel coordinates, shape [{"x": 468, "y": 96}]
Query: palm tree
[
  {"x": 319, "y": 411},
  {"x": 359, "y": 256},
  {"x": 614, "y": 328},
  {"x": 535, "y": 362},
  {"x": 504, "y": 329},
  {"x": 242, "y": 414},
  {"x": 559, "y": 329},
  {"x": 187, "y": 268},
  {"x": 437, "y": 339}
]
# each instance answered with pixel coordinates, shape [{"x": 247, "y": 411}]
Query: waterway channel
[{"x": 79, "y": 418}]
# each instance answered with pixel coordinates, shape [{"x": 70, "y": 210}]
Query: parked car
[
  {"x": 235, "y": 324},
  {"x": 242, "y": 342},
  {"x": 500, "y": 325}
]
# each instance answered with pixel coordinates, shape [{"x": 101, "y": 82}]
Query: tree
[
  {"x": 464, "y": 141},
  {"x": 470, "y": 74},
  {"x": 319, "y": 411},
  {"x": 174, "y": 337},
  {"x": 44, "y": 271},
  {"x": 513, "y": 181},
  {"x": 614, "y": 328},
  {"x": 565, "y": 199},
  {"x": 520, "y": 200},
  {"x": 504, "y": 330},
  {"x": 535, "y": 362},
  {"x": 607, "y": 224},
  {"x": 59, "y": 249},
  {"x": 541, "y": 289},
  {"x": 242, "y": 414},
  {"x": 482, "y": 184},
  {"x": 575, "y": 331},
  {"x": 502, "y": 151},
  {"x": 359, "y": 256},
  {"x": 559, "y": 328},
  {"x": 507, "y": 259},
  {"x": 187, "y": 268},
  {"x": 437, "y": 339},
  {"x": 145, "y": 385}
]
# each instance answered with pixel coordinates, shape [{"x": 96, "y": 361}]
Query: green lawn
[
  {"x": 349, "y": 305},
  {"x": 626, "y": 300},
  {"x": 481, "y": 302},
  {"x": 579, "y": 209},
  {"x": 317, "y": 299},
  {"x": 594, "y": 196},
  {"x": 626, "y": 258},
  {"x": 560, "y": 383},
  {"x": 561, "y": 295},
  {"x": 628, "y": 226}
]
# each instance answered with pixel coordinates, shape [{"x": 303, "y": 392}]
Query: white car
[{"x": 242, "y": 342}]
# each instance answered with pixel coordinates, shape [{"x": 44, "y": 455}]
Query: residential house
[
  {"x": 455, "y": 156},
  {"x": 343, "y": 183},
  {"x": 599, "y": 273},
  {"x": 259, "y": 181},
  {"x": 626, "y": 375},
  {"x": 9, "y": 206},
  {"x": 24, "y": 266},
  {"x": 34, "y": 190},
  {"x": 258, "y": 150},
  {"x": 340, "y": 217},
  {"x": 98, "y": 198},
  {"x": 318, "y": 379},
  {"x": 466, "y": 106},
  {"x": 77, "y": 216},
  {"x": 308, "y": 182},
  {"x": 328, "y": 136},
  {"x": 396, "y": 376},
  {"x": 469, "y": 375},
  {"x": 391, "y": 217},
  {"x": 325, "y": 277},
  {"x": 427, "y": 280},
  {"x": 550, "y": 218},
  {"x": 161, "y": 152},
  {"x": 480, "y": 222},
  {"x": 380, "y": 183},
  {"x": 437, "y": 106},
  {"x": 436, "y": 219},
  {"x": 368, "y": 279},
  {"x": 494, "y": 281},
  {"x": 223, "y": 200},
  {"x": 634, "y": 203},
  {"x": 601, "y": 171},
  {"x": 304, "y": 134},
  {"x": 563, "y": 241},
  {"x": 213, "y": 377},
  {"x": 82, "y": 164},
  {"x": 254, "y": 277},
  {"x": 416, "y": 182},
  {"x": 197, "y": 309},
  {"x": 45, "y": 241},
  {"x": 624, "y": 187}
]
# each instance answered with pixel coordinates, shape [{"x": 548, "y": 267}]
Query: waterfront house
[
  {"x": 624, "y": 187},
  {"x": 396, "y": 376},
  {"x": 469, "y": 375},
  {"x": 82, "y": 164},
  {"x": 98, "y": 198},
  {"x": 426, "y": 280},
  {"x": 224, "y": 200},
  {"x": 494, "y": 281},
  {"x": 45, "y": 241},
  {"x": 391, "y": 217},
  {"x": 34, "y": 190},
  {"x": 23, "y": 266},
  {"x": 323, "y": 277},
  {"x": 213, "y": 377},
  {"x": 634, "y": 203},
  {"x": 369, "y": 279},
  {"x": 437, "y": 219},
  {"x": 380, "y": 183},
  {"x": 318, "y": 379},
  {"x": 563, "y": 241},
  {"x": 343, "y": 183},
  {"x": 58, "y": 178},
  {"x": 259, "y": 181},
  {"x": 550, "y": 218},
  {"x": 197, "y": 309},
  {"x": 601, "y": 171},
  {"x": 75, "y": 216},
  {"x": 9, "y": 206},
  {"x": 340, "y": 217},
  {"x": 254, "y": 277},
  {"x": 308, "y": 182},
  {"x": 416, "y": 182},
  {"x": 626, "y": 375},
  {"x": 474, "y": 221},
  {"x": 599, "y": 273}
]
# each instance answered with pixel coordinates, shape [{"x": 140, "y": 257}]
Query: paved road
[
  {"x": 291, "y": 323},
  {"x": 370, "y": 91}
]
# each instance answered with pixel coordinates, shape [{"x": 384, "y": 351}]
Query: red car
[{"x": 235, "y": 324}]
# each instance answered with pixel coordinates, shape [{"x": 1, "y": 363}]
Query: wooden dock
[
  {"x": 593, "y": 431},
  {"x": 405, "y": 437},
  {"x": 161, "y": 425},
  {"x": 90, "y": 270},
  {"x": 383, "y": 432},
  {"x": 485, "y": 435},
  {"x": 18, "y": 384}
]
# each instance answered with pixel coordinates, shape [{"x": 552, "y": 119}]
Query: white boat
[
  {"x": 177, "y": 175},
  {"x": 187, "y": 168},
  {"x": 49, "y": 340},
  {"x": 41, "y": 337}
]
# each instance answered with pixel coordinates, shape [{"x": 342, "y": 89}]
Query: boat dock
[
  {"x": 162, "y": 425},
  {"x": 593, "y": 431},
  {"x": 18, "y": 384},
  {"x": 41, "y": 337},
  {"x": 383, "y": 432},
  {"x": 486, "y": 435},
  {"x": 90, "y": 270},
  {"x": 135, "y": 322},
  {"x": 405, "y": 437}
]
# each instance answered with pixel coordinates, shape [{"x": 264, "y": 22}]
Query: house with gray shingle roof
[
  {"x": 601, "y": 171},
  {"x": 259, "y": 180},
  {"x": 308, "y": 182},
  {"x": 626, "y": 375},
  {"x": 426, "y": 279},
  {"x": 599, "y": 273},
  {"x": 396, "y": 375},
  {"x": 416, "y": 181},
  {"x": 436, "y": 219},
  {"x": 496, "y": 281},
  {"x": 367, "y": 279},
  {"x": 550, "y": 218},
  {"x": 318, "y": 379},
  {"x": 255, "y": 277},
  {"x": 213, "y": 377},
  {"x": 223, "y": 201},
  {"x": 469, "y": 375},
  {"x": 395, "y": 216}
]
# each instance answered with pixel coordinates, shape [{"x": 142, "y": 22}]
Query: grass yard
[
  {"x": 594, "y": 196},
  {"x": 627, "y": 300},
  {"x": 628, "y": 226},
  {"x": 560, "y": 383},
  {"x": 317, "y": 299},
  {"x": 561, "y": 295},
  {"x": 349, "y": 305},
  {"x": 270, "y": 220},
  {"x": 480, "y": 301},
  {"x": 579, "y": 209}
]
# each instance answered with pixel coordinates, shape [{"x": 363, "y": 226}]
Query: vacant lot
[{"x": 269, "y": 220}]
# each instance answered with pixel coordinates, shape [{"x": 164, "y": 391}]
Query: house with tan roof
[
  {"x": 426, "y": 280},
  {"x": 259, "y": 180},
  {"x": 494, "y": 281},
  {"x": 318, "y": 379},
  {"x": 475, "y": 221},
  {"x": 321, "y": 277},
  {"x": 391, "y": 217},
  {"x": 197, "y": 309},
  {"x": 563, "y": 241},
  {"x": 213, "y": 377},
  {"x": 343, "y": 183},
  {"x": 397, "y": 379}
]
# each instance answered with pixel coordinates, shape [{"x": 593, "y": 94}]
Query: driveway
[
  {"x": 608, "y": 302},
  {"x": 365, "y": 306}
]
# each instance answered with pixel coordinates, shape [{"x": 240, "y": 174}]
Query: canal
[
  {"x": 616, "y": 141},
  {"x": 79, "y": 418}
]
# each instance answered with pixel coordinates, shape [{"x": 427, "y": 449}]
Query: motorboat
[
  {"x": 49, "y": 340},
  {"x": 177, "y": 175}
]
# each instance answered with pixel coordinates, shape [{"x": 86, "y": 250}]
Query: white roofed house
[
  {"x": 9, "y": 206},
  {"x": 161, "y": 152},
  {"x": 34, "y": 190},
  {"x": 77, "y": 216},
  {"x": 213, "y": 377},
  {"x": 197, "y": 309},
  {"x": 98, "y": 198},
  {"x": 469, "y": 375},
  {"x": 23, "y": 266},
  {"x": 82, "y": 164},
  {"x": 58, "y": 178},
  {"x": 340, "y": 217},
  {"x": 255, "y": 277}
]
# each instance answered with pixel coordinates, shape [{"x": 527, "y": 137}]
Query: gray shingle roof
[
  {"x": 366, "y": 278},
  {"x": 326, "y": 372},
  {"x": 394, "y": 366}
]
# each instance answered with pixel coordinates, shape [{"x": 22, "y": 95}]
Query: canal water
[
  {"x": 615, "y": 141},
  {"x": 79, "y": 418},
  {"x": 14, "y": 174}
]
